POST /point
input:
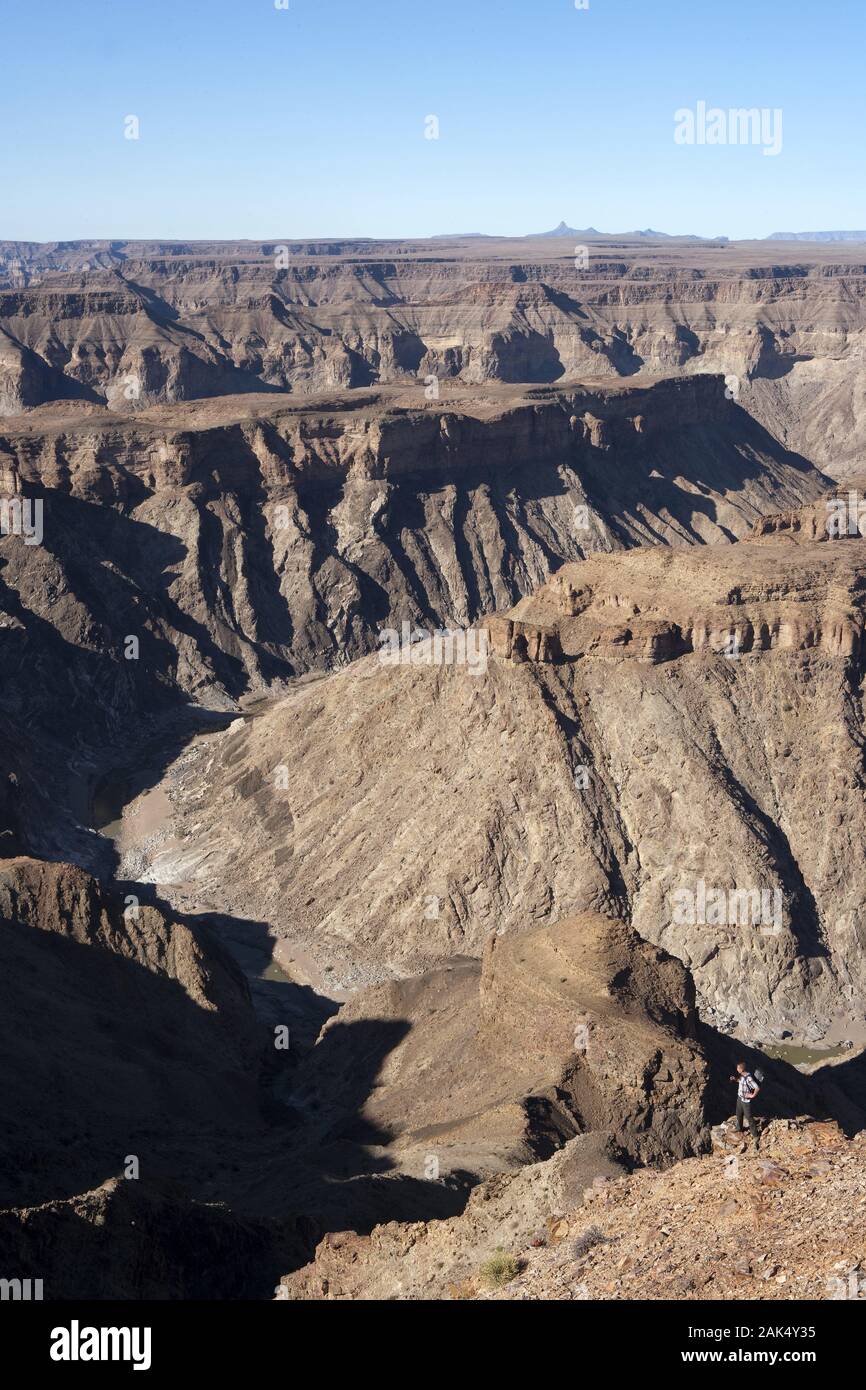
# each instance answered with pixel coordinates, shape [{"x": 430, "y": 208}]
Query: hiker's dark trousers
[{"x": 744, "y": 1112}]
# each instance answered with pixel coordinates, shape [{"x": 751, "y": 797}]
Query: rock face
[
  {"x": 566, "y": 1029},
  {"x": 145, "y": 323},
  {"x": 241, "y": 550},
  {"x": 200, "y": 553},
  {"x": 125, "y": 1035},
  {"x": 659, "y": 760},
  {"x": 131, "y": 1240},
  {"x": 784, "y": 1223}
]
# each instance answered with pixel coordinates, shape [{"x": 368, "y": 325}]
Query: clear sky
[{"x": 310, "y": 121}]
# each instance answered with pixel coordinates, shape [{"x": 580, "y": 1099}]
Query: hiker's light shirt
[{"x": 747, "y": 1087}]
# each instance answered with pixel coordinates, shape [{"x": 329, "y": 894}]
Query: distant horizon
[{"x": 825, "y": 237}]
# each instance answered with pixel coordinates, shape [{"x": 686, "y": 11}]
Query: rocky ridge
[
  {"x": 786, "y": 1222},
  {"x": 700, "y": 698},
  {"x": 138, "y": 324}
]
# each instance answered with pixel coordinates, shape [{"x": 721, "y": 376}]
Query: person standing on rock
[{"x": 747, "y": 1089}]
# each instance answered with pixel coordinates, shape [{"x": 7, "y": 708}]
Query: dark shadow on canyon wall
[
  {"x": 245, "y": 1157},
  {"x": 107, "y": 1062}
]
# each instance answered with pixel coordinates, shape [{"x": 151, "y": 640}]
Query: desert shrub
[
  {"x": 500, "y": 1269},
  {"x": 591, "y": 1236}
]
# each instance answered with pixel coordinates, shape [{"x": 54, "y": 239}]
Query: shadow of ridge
[
  {"x": 112, "y": 1058},
  {"x": 251, "y": 944},
  {"x": 842, "y": 1087},
  {"x": 327, "y": 1144},
  {"x": 335, "y": 1171},
  {"x": 331, "y": 1163}
]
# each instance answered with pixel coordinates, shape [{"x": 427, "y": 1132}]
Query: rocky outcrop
[
  {"x": 566, "y": 1029},
  {"x": 663, "y": 767},
  {"x": 784, "y": 1223},
  {"x": 662, "y": 609}
]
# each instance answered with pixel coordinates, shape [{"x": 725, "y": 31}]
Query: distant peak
[
  {"x": 564, "y": 230},
  {"x": 648, "y": 234}
]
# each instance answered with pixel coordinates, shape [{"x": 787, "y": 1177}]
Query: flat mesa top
[
  {"x": 365, "y": 404},
  {"x": 713, "y": 257},
  {"x": 753, "y": 581}
]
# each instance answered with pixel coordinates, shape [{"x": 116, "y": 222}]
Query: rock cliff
[
  {"x": 653, "y": 747},
  {"x": 144, "y": 323}
]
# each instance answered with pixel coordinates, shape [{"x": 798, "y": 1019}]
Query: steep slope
[
  {"x": 785, "y": 1223},
  {"x": 201, "y": 553},
  {"x": 648, "y": 738}
]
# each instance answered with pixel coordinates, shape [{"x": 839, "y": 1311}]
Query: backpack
[{"x": 759, "y": 1076}]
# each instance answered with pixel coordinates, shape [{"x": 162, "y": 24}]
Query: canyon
[
  {"x": 382, "y": 965},
  {"x": 137, "y": 324},
  {"x": 698, "y": 698}
]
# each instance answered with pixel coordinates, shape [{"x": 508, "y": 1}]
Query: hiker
[{"x": 747, "y": 1089}]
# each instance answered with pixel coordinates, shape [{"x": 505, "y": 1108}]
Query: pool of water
[{"x": 272, "y": 971}]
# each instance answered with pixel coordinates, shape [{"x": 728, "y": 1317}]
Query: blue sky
[{"x": 266, "y": 123}]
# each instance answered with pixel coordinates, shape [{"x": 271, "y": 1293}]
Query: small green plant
[{"x": 500, "y": 1269}]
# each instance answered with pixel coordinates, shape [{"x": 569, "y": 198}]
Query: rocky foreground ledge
[{"x": 785, "y": 1222}]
